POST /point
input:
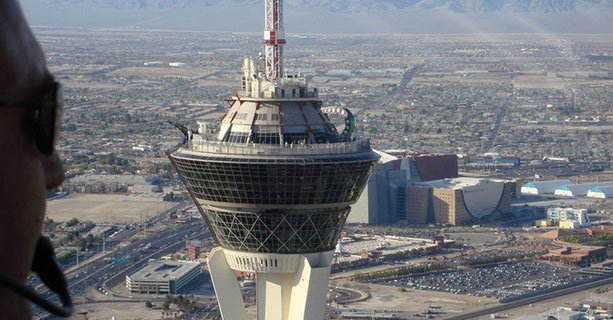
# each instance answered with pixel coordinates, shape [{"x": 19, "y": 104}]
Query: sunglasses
[
  {"x": 43, "y": 117},
  {"x": 50, "y": 120}
]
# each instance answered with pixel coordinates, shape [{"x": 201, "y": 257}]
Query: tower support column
[
  {"x": 290, "y": 287},
  {"x": 229, "y": 296},
  {"x": 310, "y": 289},
  {"x": 290, "y": 296}
]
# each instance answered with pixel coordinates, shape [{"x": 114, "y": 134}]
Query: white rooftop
[
  {"x": 385, "y": 157},
  {"x": 163, "y": 270},
  {"x": 459, "y": 183}
]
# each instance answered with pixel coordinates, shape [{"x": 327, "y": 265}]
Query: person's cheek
[{"x": 53, "y": 171}]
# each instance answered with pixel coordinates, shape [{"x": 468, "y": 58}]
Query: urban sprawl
[{"x": 492, "y": 197}]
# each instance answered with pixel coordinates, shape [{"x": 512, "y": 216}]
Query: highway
[
  {"x": 98, "y": 272},
  {"x": 122, "y": 236},
  {"x": 497, "y": 123},
  {"x": 176, "y": 243},
  {"x": 389, "y": 96},
  {"x": 546, "y": 296}
]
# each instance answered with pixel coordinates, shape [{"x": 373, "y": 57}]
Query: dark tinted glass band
[{"x": 34, "y": 96}]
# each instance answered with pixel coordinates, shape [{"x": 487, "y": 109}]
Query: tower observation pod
[{"x": 274, "y": 183}]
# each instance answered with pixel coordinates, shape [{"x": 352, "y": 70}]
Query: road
[
  {"x": 122, "y": 236},
  {"x": 386, "y": 98},
  {"x": 97, "y": 271},
  {"x": 406, "y": 79},
  {"x": 497, "y": 122},
  {"x": 527, "y": 301},
  {"x": 110, "y": 244},
  {"x": 173, "y": 247}
]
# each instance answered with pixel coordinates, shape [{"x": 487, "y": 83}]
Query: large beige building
[
  {"x": 457, "y": 201},
  {"x": 448, "y": 206},
  {"x": 385, "y": 199}
]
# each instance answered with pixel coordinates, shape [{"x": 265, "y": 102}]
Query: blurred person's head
[{"x": 29, "y": 165}]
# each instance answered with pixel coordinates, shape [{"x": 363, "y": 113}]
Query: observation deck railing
[{"x": 205, "y": 146}]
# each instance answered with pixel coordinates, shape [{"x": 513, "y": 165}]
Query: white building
[
  {"x": 543, "y": 187},
  {"x": 605, "y": 192},
  {"x": 379, "y": 203},
  {"x": 575, "y": 190},
  {"x": 163, "y": 277},
  {"x": 576, "y": 217}
]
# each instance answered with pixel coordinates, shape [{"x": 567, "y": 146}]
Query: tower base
[{"x": 288, "y": 286}]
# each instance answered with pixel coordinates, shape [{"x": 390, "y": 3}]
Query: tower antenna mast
[{"x": 274, "y": 39}]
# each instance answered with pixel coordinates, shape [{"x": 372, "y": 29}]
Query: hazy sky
[{"x": 322, "y": 16}]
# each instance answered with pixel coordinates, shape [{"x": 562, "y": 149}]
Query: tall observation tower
[{"x": 274, "y": 183}]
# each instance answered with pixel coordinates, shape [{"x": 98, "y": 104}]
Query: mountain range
[{"x": 333, "y": 16}]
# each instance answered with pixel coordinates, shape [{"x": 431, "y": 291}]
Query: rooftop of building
[
  {"x": 586, "y": 186},
  {"x": 536, "y": 184},
  {"x": 603, "y": 228},
  {"x": 163, "y": 270},
  {"x": 605, "y": 189},
  {"x": 574, "y": 249},
  {"x": 458, "y": 183},
  {"x": 386, "y": 157}
]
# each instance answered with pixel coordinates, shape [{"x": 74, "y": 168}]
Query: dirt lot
[
  {"x": 119, "y": 310},
  {"x": 416, "y": 301},
  {"x": 165, "y": 71},
  {"x": 104, "y": 208}
]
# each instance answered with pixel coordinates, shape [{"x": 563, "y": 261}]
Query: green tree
[
  {"x": 90, "y": 239},
  {"x": 167, "y": 301},
  {"x": 82, "y": 244},
  {"x": 72, "y": 222}
]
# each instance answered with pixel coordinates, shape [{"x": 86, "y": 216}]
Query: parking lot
[{"x": 502, "y": 281}]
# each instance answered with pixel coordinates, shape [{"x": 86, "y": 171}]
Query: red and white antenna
[{"x": 274, "y": 38}]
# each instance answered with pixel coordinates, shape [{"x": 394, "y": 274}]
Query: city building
[
  {"x": 422, "y": 189},
  {"x": 359, "y": 247},
  {"x": 383, "y": 201},
  {"x": 194, "y": 249},
  {"x": 275, "y": 184},
  {"x": 577, "y": 255},
  {"x": 568, "y": 224},
  {"x": 543, "y": 223},
  {"x": 605, "y": 192},
  {"x": 428, "y": 167},
  {"x": 599, "y": 230},
  {"x": 163, "y": 277},
  {"x": 458, "y": 201},
  {"x": 575, "y": 190},
  {"x": 388, "y": 194},
  {"x": 569, "y": 218},
  {"x": 605, "y": 265},
  {"x": 562, "y": 314},
  {"x": 543, "y": 187},
  {"x": 105, "y": 183},
  {"x": 419, "y": 207}
]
